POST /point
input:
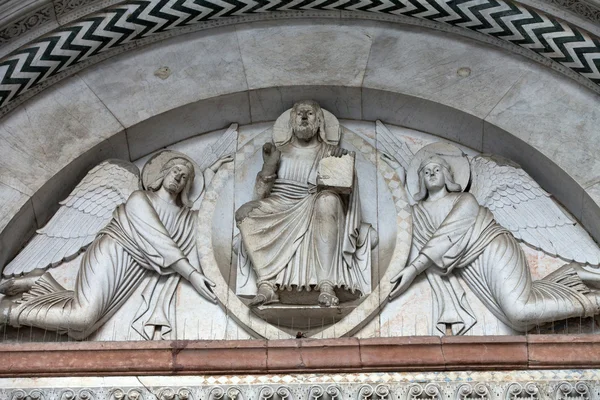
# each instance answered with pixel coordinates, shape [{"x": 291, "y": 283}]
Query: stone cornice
[{"x": 301, "y": 356}]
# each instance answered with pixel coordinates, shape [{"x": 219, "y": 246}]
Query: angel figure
[
  {"x": 473, "y": 235},
  {"x": 134, "y": 233}
]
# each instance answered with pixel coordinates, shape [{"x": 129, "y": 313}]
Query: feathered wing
[
  {"x": 522, "y": 206},
  {"x": 392, "y": 146},
  {"x": 223, "y": 146},
  {"x": 86, "y": 211}
]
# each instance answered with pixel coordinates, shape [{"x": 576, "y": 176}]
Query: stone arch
[{"x": 125, "y": 107}]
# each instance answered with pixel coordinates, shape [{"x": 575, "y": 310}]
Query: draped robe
[
  {"x": 146, "y": 235},
  {"x": 280, "y": 234},
  {"x": 462, "y": 239}
]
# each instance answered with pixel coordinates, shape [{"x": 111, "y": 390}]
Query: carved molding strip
[
  {"x": 65, "y": 6},
  {"x": 571, "y": 49},
  {"x": 581, "y": 8},
  {"x": 26, "y": 24},
  {"x": 495, "y": 389}
]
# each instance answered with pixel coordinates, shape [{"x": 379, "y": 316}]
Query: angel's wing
[
  {"x": 87, "y": 210},
  {"x": 223, "y": 146},
  {"x": 392, "y": 146},
  {"x": 522, "y": 206}
]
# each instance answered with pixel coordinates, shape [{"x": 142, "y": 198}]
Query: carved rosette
[
  {"x": 232, "y": 393},
  {"x": 31, "y": 395},
  {"x": 132, "y": 394},
  {"x": 83, "y": 394},
  {"x": 380, "y": 392},
  {"x": 518, "y": 391},
  {"x": 269, "y": 393},
  {"x": 479, "y": 391},
  {"x": 430, "y": 391},
  {"x": 332, "y": 391},
  {"x": 570, "y": 391},
  {"x": 171, "y": 394}
]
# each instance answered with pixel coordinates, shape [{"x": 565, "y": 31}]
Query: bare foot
[
  {"x": 327, "y": 298},
  {"x": 266, "y": 295}
]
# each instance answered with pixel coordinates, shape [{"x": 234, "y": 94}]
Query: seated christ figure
[{"x": 299, "y": 235}]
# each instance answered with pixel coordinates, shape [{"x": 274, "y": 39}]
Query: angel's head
[
  {"x": 434, "y": 174},
  {"x": 176, "y": 176}
]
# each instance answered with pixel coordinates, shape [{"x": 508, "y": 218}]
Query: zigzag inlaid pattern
[{"x": 133, "y": 20}]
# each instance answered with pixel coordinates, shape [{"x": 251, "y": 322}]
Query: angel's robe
[
  {"x": 146, "y": 235},
  {"x": 280, "y": 234},
  {"x": 462, "y": 239}
]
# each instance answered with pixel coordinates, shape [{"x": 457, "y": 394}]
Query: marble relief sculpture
[
  {"x": 472, "y": 235},
  {"x": 304, "y": 230},
  {"x": 137, "y": 229},
  {"x": 313, "y": 253}
]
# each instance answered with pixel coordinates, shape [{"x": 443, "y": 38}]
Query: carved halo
[
  {"x": 153, "y": 166},
  {"x": 282, "y": 132},
  {"x": 458, "y": 161}
]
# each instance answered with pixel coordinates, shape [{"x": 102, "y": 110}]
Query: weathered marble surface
[
  {"x": 304, "y": 54},
  {"x": 48, "y": 132},
  {"x": 558, "y": 129},
  {"x": 202, "y": 65},
  {"x": 426, "y": 66}
]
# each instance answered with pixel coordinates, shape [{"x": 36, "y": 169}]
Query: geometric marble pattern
[{"x": 130, "y": 21}]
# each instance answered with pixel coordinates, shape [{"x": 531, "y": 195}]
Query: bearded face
[{"x": 305, "y": 123}]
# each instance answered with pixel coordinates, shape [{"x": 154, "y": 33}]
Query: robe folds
[
  {"x": 146, "y": 236},
  {"x": 280, "y": 235},
  {"x": 462, "y": 239}
]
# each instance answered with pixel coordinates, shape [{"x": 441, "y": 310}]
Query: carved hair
[
  {"x": 451, "y": 185},
  {"x": 184, "y": 195},
  {"x": 318, "y": 111}
]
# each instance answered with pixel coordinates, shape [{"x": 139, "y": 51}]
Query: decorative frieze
[
  {"x": 26, "y": 24},
  {"x": 542, "y": 385}
]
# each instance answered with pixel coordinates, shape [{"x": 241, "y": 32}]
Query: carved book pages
[{"x": 336, "y": 173}]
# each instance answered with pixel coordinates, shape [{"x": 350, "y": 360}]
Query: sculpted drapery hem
[{"x": 278, "y": 233}]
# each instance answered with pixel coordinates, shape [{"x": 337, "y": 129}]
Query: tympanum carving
[{"x": 294, "y": 247}]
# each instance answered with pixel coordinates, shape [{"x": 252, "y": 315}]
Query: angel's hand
[
  {"x": 223, "y": 160},
  {"x": 203, "y": 285},
  {"x": 403, "y": 280}
]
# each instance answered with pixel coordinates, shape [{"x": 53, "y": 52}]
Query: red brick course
[{"x": 301, "y": 356}]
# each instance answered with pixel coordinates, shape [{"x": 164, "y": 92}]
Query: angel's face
[
  {"x": 434, "y": 176},
  {"x": 176, "y": 179}
]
